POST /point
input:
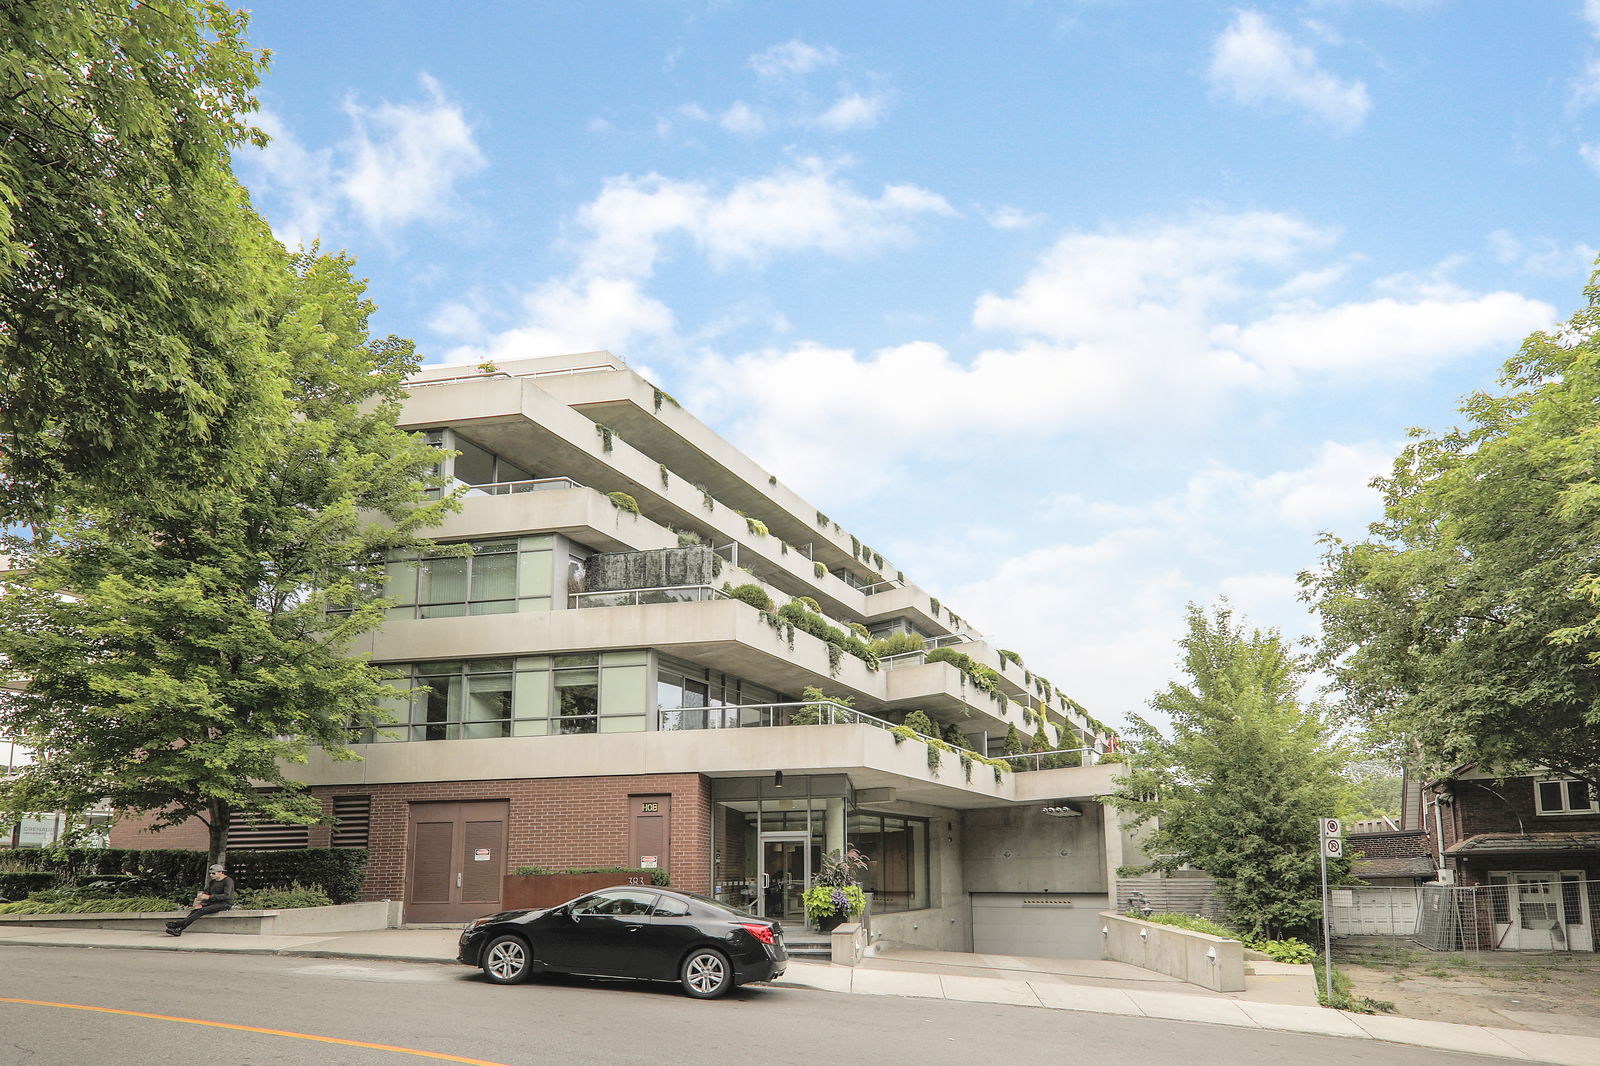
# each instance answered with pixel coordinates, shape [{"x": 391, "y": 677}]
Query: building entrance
[
  {"x": 769, "y": 840},
  {"x": 784, "y": 873}
]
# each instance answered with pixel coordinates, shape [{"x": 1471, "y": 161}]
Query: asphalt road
[{"x": 433, "y": 1013}]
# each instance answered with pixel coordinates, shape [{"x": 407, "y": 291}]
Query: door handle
[
  {"x": 766, "y": 881},
  {"x": 458, "y": 880}
]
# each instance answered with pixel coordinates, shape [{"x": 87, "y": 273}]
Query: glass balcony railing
[
  {"x": 640, "y": 597},
  {"x": 507, "y": 488}
]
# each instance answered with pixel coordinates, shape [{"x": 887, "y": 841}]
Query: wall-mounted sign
[
  {"x": 481, "y": 855},
  {"x": 647, "y": 862},
  {"x": 649, "y": 808}
]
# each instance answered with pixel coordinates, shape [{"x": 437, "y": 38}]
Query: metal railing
[
  {"x": 881, "y": 586},
  {"x": 1035, "y": 760},
  {"x": 588, "y": 369},
  {"x": 641, "y": 597},
  {"x": 506, "y": 488}
]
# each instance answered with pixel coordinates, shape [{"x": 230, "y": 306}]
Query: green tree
[
  {"x": 1238, "y": 786},
  {"x": 127, "y": 359},
  {"x": 1465, "y": 627},
  {"x": 1013, "y": 744},
  {"x": 174, "y": 664}
]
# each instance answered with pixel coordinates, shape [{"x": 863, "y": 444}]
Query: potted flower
[
  {"x": 834, "y": 896},
  {"x": 829, "y": 906}
]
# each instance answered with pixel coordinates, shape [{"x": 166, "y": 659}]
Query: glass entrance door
[{"x": 784, "y": 875}]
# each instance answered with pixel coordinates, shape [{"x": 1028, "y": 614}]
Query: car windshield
[{"x": 714, "y": 904}]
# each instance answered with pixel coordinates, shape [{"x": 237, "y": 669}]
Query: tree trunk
[{"x": 217, "y": 848}]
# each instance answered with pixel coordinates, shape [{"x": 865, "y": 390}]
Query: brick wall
[
  {"x": 565, "y": 821},
  {"x": 1509, "y": 807},
  {"x": 1403, "y": 844}
]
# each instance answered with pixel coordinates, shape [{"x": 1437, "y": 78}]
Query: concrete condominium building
[{"x": 585, "y": 691}]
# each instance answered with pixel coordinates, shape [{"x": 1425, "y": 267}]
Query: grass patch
[{"x": 1343, "y": 998}]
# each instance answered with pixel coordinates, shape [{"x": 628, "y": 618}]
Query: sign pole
[
  {"x": 1327, "y": 941},
  {"x": 1331, "y": 832}
]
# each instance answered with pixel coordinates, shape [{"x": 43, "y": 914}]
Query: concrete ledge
[
  {"x": 1198, "y": 958},
  {"x": 301, "y": 921},
  {"x": 849, "y": 943}
]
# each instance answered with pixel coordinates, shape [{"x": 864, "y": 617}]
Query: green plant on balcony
[
  {"x": 951, "y": 734},
  {"x": 984, "y": 677},
  {"x": 896, "y": 644},
  {"x": 835, "y": 657},
  {"x": 664, "y": 397},
  {"x": 860, "y": 630},
  {"x": 812, "y": 713},
  {"x": 933, "y": 606},
  {"x": 966, "y": 766},
  {"x": 772, "y": 479},
  {"x": 921, "y": 723},
  {"x": 855, "y": 547},
  {"x": 820, "y": 569},
  {"x": 607, "y": 434},
  {"x": 750, "y": 593},
  {"x": 834, "y": 896},
  {"x": 666, "y": 477},
  {"x": 822, "y": 520},
  {"x": 903, "y": 733},
  {"x": 1010, "y": 656},
  {"x": 688, "y": 538},
  {"x": 877, "y": 561},
  {"x": 810, "y": 604},
  {"x": 488, "y": 366},
  {"x": 1013, "y": 744},
  {"x": 623, "y": 502}
]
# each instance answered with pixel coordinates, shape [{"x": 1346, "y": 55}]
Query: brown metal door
[
  {"x": 650, "y": 832},
  {"x": 457, "y": 860}
]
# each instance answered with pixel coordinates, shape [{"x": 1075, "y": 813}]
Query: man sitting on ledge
[{"x": 216, "y": 896}]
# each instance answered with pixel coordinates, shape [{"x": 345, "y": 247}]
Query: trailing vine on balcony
[
  {"x": 606, "y": 436},
  {"x": 665, "y": 397},
  {"x": 666, "y": 480},
  {"x": 820, "y": 569},
  {"x": 623, "y": 502}
]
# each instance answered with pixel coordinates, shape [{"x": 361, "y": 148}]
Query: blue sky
[{"x": 1076, "y": 311}]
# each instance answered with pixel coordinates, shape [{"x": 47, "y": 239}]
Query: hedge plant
[{"x": 659, "y": 878}]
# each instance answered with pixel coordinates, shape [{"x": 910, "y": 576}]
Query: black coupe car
[{"x": 650, "y": 934}]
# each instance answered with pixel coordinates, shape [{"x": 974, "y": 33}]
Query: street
[{"x": 420, "y": 1013}]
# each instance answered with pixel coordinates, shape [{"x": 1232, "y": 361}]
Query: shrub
[
  {"x": 337, "y": 871},
  {"x": 896, "y": 644},
  {"x": 750, "y": 593},
  {"x": 1013, "y": 745},
  {"x": 114, "y": 905},
  {"x": 755, "y": 526},
  {"x": 18, "y": 884},
  {"x": 919, "y": 722},
  {"x": 811, "y": 604},
  {"x": 820, "y": 569},
  {"x": 688, "y": 538},
  {"x": 1010, "y": 656},
  {"x": 858, "y": 647},
  {"x": 282, "y": 899},
  {"x": 860, "y": 630},
  {"x": 624, "y": 502}
]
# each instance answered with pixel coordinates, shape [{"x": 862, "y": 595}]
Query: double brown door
[{"x": 457, "y": 860}]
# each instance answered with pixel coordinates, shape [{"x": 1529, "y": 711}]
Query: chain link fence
[{"x": 1514, "y": 912}]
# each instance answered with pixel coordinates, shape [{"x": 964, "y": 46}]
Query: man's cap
[{"x": 217, "y": 866}]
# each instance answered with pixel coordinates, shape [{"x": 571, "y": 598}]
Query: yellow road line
[{"x": 255, "y": 1029}]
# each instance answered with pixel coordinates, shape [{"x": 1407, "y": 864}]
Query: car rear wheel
[
  {"x": 707, "y": 974},
  {"x": 507, "y": 960}
]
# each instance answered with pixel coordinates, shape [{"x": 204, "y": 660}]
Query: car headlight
[{"x": 476, "y": 923}]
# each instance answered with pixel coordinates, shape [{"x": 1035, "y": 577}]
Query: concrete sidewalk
[{"x": 1273, "y": 997}]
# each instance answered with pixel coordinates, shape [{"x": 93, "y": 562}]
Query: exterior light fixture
[
  {"x": 1062, "y": 811},
  {"x": 777, "y": 779}
]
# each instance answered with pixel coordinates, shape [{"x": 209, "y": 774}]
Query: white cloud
[
  {"x": 573, "y": 316},
  {"x": 742, "y": 118},
  {"x": 1103, "y": 608},
  {"x": 805, "y": 207},
  {"x": 400, "y": 165},
  {"x": 1256, "y": 64},
  {"x": 1591, "y": 155},
  {"x": 1007, "y": 217},
  {"x": 408, "y": 158},
  {"x": 298, "y": 177},
  {"x": 791, "y": 58},
  {"x": 1591, "y": 15},
  {"x": 1172, "y": 324},
  {"x": 1543, "y": 256},
  {"x": 853, "y": 111}
]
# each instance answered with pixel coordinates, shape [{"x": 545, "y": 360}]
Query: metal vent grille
[
  {"x": 250, "y": 831},
  {"x": 352, "y": 821},
  {"x": 1047, "y": 903}
]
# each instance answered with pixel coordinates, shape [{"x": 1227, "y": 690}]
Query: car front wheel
[
  {"x": 707, "y": 974},
  {"x": 506, "y": 960}
]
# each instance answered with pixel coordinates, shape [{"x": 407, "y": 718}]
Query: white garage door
[{"x": 1055, "y": 925}]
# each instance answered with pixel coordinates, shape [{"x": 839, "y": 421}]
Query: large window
[
  {"x": 896, "y": 850},
  {"x": 1564, "y": 796},
  {"x": 531, "y": 696},
  {"x": 691, "y": 696},
  {"x": 497, "y": 577}
]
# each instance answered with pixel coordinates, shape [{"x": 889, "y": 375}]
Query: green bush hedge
[
  {"x": 168, "y": 871},
  {"x": 20, "y": 884},
  {"x": 131, "y": 904}
]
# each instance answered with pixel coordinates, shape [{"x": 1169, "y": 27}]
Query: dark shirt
[{"x": 220, "y": 890}]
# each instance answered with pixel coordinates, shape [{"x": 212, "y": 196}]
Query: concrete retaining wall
[
  {"x": 1208, "y": 961},
  {"x": 302, "y": 921}
]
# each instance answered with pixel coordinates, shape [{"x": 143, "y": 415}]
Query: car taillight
[{"x": 762, "y": 933}]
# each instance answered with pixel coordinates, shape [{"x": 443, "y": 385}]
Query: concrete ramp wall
[{"x": 1208, "y": 961}]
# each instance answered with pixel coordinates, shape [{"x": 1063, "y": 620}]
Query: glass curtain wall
[
  {"x": 691, "y": 696},
  {"x": 531, "y": 696},
  {"x": 497, "y": 577}
]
